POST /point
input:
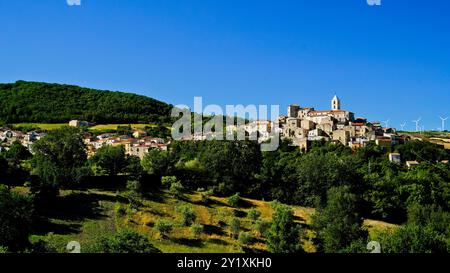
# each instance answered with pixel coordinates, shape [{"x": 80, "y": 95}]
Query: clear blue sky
[{"x": 391, "y": 61}]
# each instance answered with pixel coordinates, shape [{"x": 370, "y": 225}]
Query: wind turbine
[
  {"x": 386, "y": 123},
  {"x": 443, "y": 123},
  {"x": 403, "y": 126},
  {"x": 417, "y": 124}
]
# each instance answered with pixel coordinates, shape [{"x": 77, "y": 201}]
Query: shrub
[
  {"x": 222, "y": 217},
  {"x": 197, "y": 230},
  {"x": 188, "y": 215},
  {"x": 262, "y": 227},
  {"x": 125, "y": 242},
  {"x": 246, "y": 238},
  {"x": 235, "y": 226},
  {"x": 283, "y": 235},
  {"x": 254, "y": 214},
  {"x": 164, "y": 227},
  {"x": 205, "y": 196},
  {"x": 120, "y": 210},
  {"x": 177, "y": 190},
  {"x": 134, "y": 186},
  {"x": 167, "y": 181},
  {"x": 234, "y": 200}
]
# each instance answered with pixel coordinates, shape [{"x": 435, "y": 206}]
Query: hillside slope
[
  {"x": 85, "y": 216},
  {"x": 56, "y": 103}
]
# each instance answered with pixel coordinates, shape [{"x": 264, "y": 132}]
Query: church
[
  {"x": 305, "y": 124},
  {"x": 317, "y": 116}
]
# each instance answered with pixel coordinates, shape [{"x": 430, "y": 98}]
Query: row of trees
[{"x": 385, "y": 189}]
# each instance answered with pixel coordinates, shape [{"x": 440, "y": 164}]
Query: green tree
[
  {"x": 188, "y": 215},
  {"x": 422, "y": 151},
  {"x": 413, "y": 239},
  {"x": 125, "y": 242},
  {"x": 316, "y": 173},
  {"x": 235, "y": 226},
  {"x": 134, "y": 168},
  {"x": 245, "y": 238},
  {"x": 167, "y": 181},
  {"x": 3, "y": 250},
  {"x": 197, "y": 230},
  {"x": 254, "y": 214},
  {"x": 262, "y": 227},
  {"x": 158, "y": 131},
  {"x": 283, "y": 235},
  {"x": 164, "y": 227},
  {"x": 59, "y": 160},
  {"x": 427, "y": 231},
  {"x": 157, "y": 163},
  {"x": 339, "y": 224},
  {"x": 16, "y": 217},
  {"x": 111, "y": 159},
  {"x": 177, "y": 190},
  {"x": 234, "y": 200},
  {"x": 16, "y": 153}
]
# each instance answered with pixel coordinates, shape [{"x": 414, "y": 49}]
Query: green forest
[{"x": 57, "y": 103}]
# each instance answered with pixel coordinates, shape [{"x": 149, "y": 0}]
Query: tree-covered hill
[{"x": 56, "y": 103}]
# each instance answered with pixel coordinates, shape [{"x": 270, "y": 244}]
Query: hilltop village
[{"x": 302, "y": 125}]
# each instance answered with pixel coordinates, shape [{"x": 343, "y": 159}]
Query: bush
[
  {"x": 177, "y": 190},
  {"x": 120, "y": 210},
  {"x": 167, "y": 181},
  {"x": 283, "y": 236},
  {"x": 197, "y": 230},
  {"x": 413, "y": 239},
  {"x": 246, "y": 238},
  {"x": 125, "y": 242},
  {"x": 205, "y": 196},
  {"x": 3, "y": 250},
  {"x": 134, "y": 187},
  {"x": 16, "y": 219},
  {"x": 254, "y": 214},
  {"x": 164, "y": 227},
  {"x": 262, "y": 227},
  {"x": 188, "y": 215},
  {"x": 234, "y": 200},
  {"x": 222, "y": 217},
  {"x": 235, "y": 226}
]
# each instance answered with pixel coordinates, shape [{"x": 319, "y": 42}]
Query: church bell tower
[{"x": 335, "y": 103}]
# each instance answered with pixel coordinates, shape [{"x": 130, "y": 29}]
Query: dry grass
[{"x": 214, "y": 217}]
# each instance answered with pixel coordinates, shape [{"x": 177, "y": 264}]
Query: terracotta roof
[{"x": 326, "y": 111}]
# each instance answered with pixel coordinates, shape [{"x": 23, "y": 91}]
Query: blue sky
[{"x": 391, "y": 61}]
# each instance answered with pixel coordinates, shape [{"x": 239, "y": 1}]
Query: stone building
[{"x": 306, "y": 124}]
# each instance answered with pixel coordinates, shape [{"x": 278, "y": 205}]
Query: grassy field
[
  {"x": 42, "y": 126},
  {"x": 84, "y": 216}
]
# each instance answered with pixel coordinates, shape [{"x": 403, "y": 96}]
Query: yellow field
[{"x": 42, "y": 126}]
